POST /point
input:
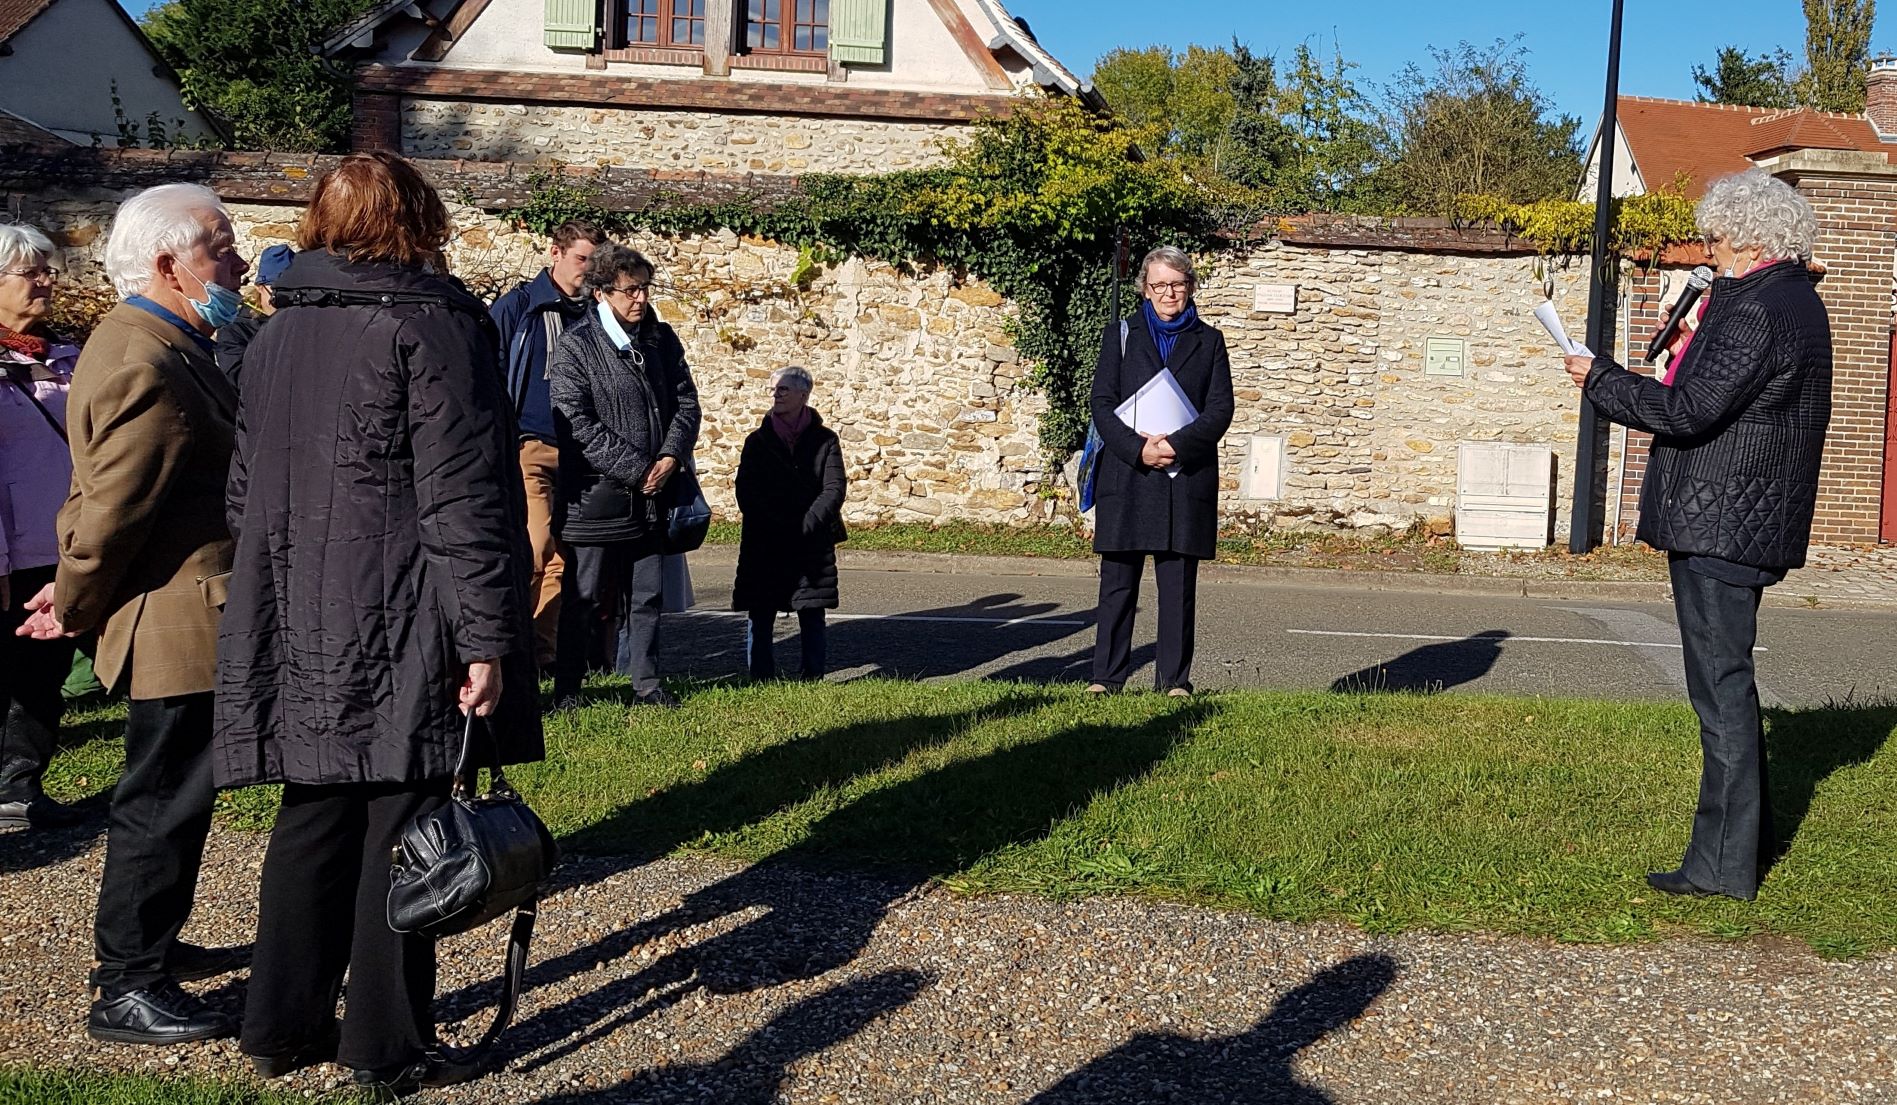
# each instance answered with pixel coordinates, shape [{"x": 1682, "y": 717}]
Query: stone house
[
  {"x": 48, "y": 97},
  {"x": 778, "y": 87}
]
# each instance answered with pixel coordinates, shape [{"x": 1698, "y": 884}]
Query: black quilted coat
[
  {"x": 1141, "y": 509},
  {"x": 1738, "y": 437},
  {"x": 792, "y": 502},
  {"x": 381, "y": 540}
]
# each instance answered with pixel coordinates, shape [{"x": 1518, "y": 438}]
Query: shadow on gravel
[
  {"x": 1251, "y": 1068},
  {"x": 1805, "y": 747},
  {"x": 794, "y": 922},
  {"x": 1430, "y": 668},
  {"x": 30, "y": 849},
  {"x": 752, "y": 1073}
]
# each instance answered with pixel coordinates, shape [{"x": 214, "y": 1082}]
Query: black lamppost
[{"x": 1590, "y": 452}]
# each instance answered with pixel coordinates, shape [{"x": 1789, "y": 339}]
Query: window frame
[
  {"x": 620, "y": 37},
  {"x": 787, "y": 24}
]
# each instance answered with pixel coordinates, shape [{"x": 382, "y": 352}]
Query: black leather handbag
[
  {"x": 688, "y": 519},
  {"x": 462, "y": 865}
]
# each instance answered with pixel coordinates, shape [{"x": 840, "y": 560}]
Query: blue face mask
[{"x": 219, "y": 306}]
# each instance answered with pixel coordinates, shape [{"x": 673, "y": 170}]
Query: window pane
[
  {"x": 801, "y": 38},
  {"x": 823, "y": 39},
  {"x": 771, "y": 40},
  {"x": 803, "y": 11},
  {"x": 757, "y": 10},
  {"x": 773, "y": 10},
  {"x": 823, "y": 12},
  {"x": 698, "y": 9}
]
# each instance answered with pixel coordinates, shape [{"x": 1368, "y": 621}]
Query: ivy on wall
[{"x": 1031, "y": 204}]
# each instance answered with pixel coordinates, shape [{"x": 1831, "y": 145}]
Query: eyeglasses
[
  {"x": 631, "y": 291},
  {"x": 1176, "y": 287},
  {"x": 44, "y": 274}
]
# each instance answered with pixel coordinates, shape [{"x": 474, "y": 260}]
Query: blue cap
[{"x": 271, "y": 264}]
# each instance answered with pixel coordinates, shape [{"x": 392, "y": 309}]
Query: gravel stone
[{"x": 695, "y": 980}]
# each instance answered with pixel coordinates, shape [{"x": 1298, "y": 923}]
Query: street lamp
[{"x": 1590, "y": 452}]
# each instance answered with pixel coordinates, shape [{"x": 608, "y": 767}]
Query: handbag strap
[
  {"x": 519, "y": 937},
  {"x": 466, "y": 777},
  {"x": 44, "y": 413}
]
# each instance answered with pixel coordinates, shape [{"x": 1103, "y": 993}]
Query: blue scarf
[{"x": 1166, "y": 334}]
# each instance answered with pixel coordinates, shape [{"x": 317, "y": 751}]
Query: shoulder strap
[
  {"x": 44, "y": 413},
  {"x": 340, "y": 297},
  {"x": 1123, "y": 329},
  {"x": 519, "y": 937}
]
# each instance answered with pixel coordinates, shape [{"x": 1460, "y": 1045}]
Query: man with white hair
[{"x": 144, "y": 553}]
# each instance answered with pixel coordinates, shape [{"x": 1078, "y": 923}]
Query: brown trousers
[{"x": 539, "y": 467}]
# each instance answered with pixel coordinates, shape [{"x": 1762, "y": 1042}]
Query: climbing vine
[{"x": 1031, "y": 204}]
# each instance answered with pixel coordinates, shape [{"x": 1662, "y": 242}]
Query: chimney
[{"x": 1880, "y": 97}]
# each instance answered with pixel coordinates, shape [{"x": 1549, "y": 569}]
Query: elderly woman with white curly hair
[{"x": 1739, "y": 429}]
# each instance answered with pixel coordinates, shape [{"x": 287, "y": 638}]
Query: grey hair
[
  {"x": 20, "y": 243},
  {"x": 611, "y": 259},
  {"x": 1756, "y": 209},
  {"x": 1173, "y": 258},
  {"x": 155, "y": 223},
  {"x": 793, "y": 374}
]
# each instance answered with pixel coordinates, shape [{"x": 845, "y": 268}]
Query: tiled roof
[
  {"x": 15, "y": 131},
  {"x": 1704, "y": 142},
  {"x": 15, "y": 14}
]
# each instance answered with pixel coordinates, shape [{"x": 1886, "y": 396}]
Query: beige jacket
[{"x": 144, "y": 551}]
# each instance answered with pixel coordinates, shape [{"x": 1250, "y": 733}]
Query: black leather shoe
[
  {"x": 192, "y": 963},
  {"x": 40, "y": 813},
  {"x": 660, "y": 697},
  {"x": 159, "y": 1014},
  {"x": 1676, "y": 882},
  {"x": 431, "y": 1072},
  {"x": 309, "y": 1055}
]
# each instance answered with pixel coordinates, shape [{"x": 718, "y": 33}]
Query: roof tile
[{"x": 15, "y": 14}]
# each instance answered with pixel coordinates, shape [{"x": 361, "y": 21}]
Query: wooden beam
[
  {"x": 992, "y": 74},
  {"x": 449, "y": 31},
  {"x": 721, "y": 39}
]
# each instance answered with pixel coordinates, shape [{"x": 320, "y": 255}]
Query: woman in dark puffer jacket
[
  {"x": 378, "y": 593},
  {"x": 790, "y": 489},
  {"x": 1731, "y": 485}
]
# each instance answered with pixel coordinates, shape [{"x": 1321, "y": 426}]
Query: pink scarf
[
  {"x": 1679, "y": 351},
  {"x": 788, "y": 430}
]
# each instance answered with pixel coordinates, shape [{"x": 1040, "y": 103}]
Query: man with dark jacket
[
  {"x": 1731, "y": 485},
  {"x": 531, "y": 319},
  {"x": 235, "y": 337}
]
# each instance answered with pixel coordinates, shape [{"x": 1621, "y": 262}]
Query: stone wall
[{"x": 655, "y": 138}]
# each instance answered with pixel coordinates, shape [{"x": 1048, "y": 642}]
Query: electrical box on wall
[
  {"x": 1504, "y": 496},
  {"x": 1263, "y": 475}
]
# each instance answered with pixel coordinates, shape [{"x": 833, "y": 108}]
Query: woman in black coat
[
  {"x": 626, "y": 411},
  {"x": 378, "y": 593},
  {"x": 790, "y": 490},
  {"x": 1157, "y": 495}
]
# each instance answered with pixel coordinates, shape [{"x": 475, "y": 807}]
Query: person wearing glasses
[
  {"x": 626, "y": 412},
  {"x": 1157, "y": 495},
  {"x": 790, "y": 489},
  {"x": 1731, "y": 485},
  {"x": 35, "y": 472}
]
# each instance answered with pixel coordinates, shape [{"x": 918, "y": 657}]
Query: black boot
[{"x": 26, "y": 745}]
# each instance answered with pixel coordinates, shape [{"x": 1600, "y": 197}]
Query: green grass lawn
[
  {"x": 1448, "y": 812},
  {"x": 24, "y": 1086}
]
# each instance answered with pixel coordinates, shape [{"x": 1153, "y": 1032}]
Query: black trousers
[
  {"x": 161, "y": 813},
  {"x": 31, "y": 674},
  {"x": 760, "y": 644},
  {"x": 1178, "y": 578},
  {"x": 1732, "y": 829},
  {"x": 323, "y": 909},
  {"x": 627, "y": 575}
]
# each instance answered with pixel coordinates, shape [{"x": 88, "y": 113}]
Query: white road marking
[
  {"x": 933, "y": 618},
  {"x": 1478, "y": 639}
]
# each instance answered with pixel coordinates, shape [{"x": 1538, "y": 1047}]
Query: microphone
[{"x": 1697, "y": 282}]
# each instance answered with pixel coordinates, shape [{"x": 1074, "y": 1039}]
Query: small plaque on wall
[
  {"x": 1445, "y": 356},
  {"x": 1275, "y": 299}
]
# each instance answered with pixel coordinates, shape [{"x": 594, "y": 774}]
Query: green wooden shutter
[
  {"x": 571, "y": 24},
  {"x": 859, "y": 31}
]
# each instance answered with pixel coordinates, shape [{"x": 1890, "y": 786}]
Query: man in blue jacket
[{"x": 531, "y": 319}]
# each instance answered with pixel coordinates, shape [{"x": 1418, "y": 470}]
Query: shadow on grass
[
  {"x": 1805, "y": 747},
  {"x": 795, "y": 922},
  {"x": 1250, "y": 1068},
  {"x": 752, "y": 1073},
  {"x": 1430, "y": 668}
]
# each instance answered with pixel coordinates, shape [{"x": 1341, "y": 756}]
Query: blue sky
[{"x": 1567, "y": 40}]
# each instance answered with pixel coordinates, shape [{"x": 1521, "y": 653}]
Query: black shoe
[
  {"x": 431, "y": 1072},
  {"x": 191, "y": 963},
  {"x": 566, "y": 702},
  {"x": 309, "y": 1055},
  {"x": 159, "y": 1014},
  {"x": 659, "y": 697},
  {"x": 1676, "y": 882},
  {"x": 39, "y": 813}
]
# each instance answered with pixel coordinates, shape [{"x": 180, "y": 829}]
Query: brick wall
[{"x": 1645, "y": 315}]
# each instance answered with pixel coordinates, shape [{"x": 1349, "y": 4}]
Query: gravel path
[{"x": 695, "y": 981}]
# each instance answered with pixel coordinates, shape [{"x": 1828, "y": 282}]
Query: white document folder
[{"x": 1158, "y": 407}]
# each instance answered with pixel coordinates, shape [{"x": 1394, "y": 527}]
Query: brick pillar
[
  {"x": 1644, "y": 317},
  {"x": 377, "y": 122},
  {"x": 1855, "y": 197}
]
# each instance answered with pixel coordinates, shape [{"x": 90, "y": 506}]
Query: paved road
[{"x": 940, "y": 624}]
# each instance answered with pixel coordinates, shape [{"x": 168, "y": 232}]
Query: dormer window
[
  {"x": 787, "y": 27},
  {"x": 662, "y": 23}
]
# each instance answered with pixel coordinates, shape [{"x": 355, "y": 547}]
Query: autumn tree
[{"x": 1837, "y": 53}]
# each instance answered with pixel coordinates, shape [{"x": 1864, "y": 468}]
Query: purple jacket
[{"x": 35, "y": 465}]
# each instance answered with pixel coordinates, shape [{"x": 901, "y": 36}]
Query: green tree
[
  {"x": 253, "y": 62},
  {"x": 1837, "y": 50},
  {"x": 1181, "y": 104},
  {"x": 1328, "y": 148},
  {"x": 1476, "y": 125},
  {"x": 1736, "y": 78}
]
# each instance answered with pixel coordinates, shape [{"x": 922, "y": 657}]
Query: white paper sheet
[
  {"x": 1159, "y": 407},
  {"x": 1545, "y": 314}
]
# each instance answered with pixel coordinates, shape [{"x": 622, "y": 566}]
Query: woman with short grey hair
[
  {"x": 790, "y": 490},
  {"x": 36, "y": 471},
  {"x": 1731, "y": 485},
  {"x": 1156, "y": 494}
]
